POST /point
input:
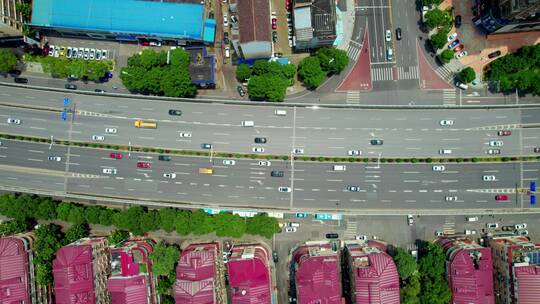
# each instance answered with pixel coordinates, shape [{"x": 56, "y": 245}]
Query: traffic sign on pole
[
  {"x": 66, "y": 102},
  {"x": 64, "y": 116}
]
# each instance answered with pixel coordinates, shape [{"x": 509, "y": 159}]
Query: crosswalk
[
  {"x": 350, "y": 230},
  {"x": 449, "y": 226},
  {"x": 408, "y": 72},
  {"x": 445, "y": 72},
  {"x": 353, "y": 50},
  {"x": 353, "y": 97},
  {"x": 381, "y": 74},
  {"x": 449, "y": 97}
]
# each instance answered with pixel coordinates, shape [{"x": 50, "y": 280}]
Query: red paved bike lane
[
  {"x": 359, "y": 77},
  {"x": 429, "y": 79}
]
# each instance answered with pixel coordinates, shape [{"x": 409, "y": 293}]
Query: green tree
[
  {"x": 435, "y": 18},
  {"x": 76, "y": 214},
  {"x": 447, "y": 55},
  {"x": 46, "y": 209},
  {"x": 467, "y": 75},
  {"x": 106, "y": 216},
  {"x": 262, "y": 225},
  {"x": 438, "y": 40},
  {"x": 8, "y": 60},
  {"x": 267, "y": 87},
  {"x": 177, "y": 83},
  {"x": 15, "y": 226},
  {"x": 130, "y": 220},
  {"x": 182, "y": 222},
  {"x": 310, "y": 71},
  {"x": 243, "y": 72},
  {"x": 164, "y": 259},
  {"x": 405, "y": 262},
  {"x": 25, "y": 9},
  {"x": 260, "y": 67},
  {"x": 150, "y": 221},
  {"x": 432, "y": 268},
  {"x": 76, "y": 232},
  {"x": 117, "y": 236},
  {"x": 92, "y": 214},
  {"x": 63, "y": 211},
  {"x": 201, "y": 222},
  {"x": 230, "y": 225},
  {"x": 410, "y": 291},
  {"x": 332, "y": 60},
  {"x": 167, "y": 219},
  {"x": 44, "y": 274},
  {"x": 48, "y": 241},
  {"x": 179, "y": 58},
  {"x": 430, "y": 2}
]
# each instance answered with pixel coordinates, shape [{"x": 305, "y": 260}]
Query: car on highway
[
  {"x": 175, "y": 112},
  {"x": 446, "y": 122},
  {"x": 361, "y": 237},
  {"x": 54, "y": 158},
  {"x": 185, "y": 134},
  {"x": 445, "y": 151},
  {"x": 352, "y": 188},
  {"x": 410, "y": 220},
  {"x": 488, "y": 178},
  {"x": 14, "y": 121},
  {"x": 453, "y": 44},
  {"x": 276, "y": 173},
  {"x": 353, "y": 152},
  {"x": 536, "y": 150},
  {"x": 452, "y": 37},
  {"x": 462, "y": 54},
  {"x": 492, "y": 225},
  {"x": 495, "y": 143},
  {"x": 521, "y": 232},
  {"x": 376, "y": 142},
  {"x": 450, "y": 198},
  {"x": 438, "y": 168},
  {"x": 438, "y": 233},
  {"x": 493, "y": 151},
  {"x": 258, "y": 149},
  {"x": 115, "y": 155},
  {"x": 98, "y": 137},
  {"x": 260, "y": 140},
  {"x": 332, "y": 235},
  {"x": 398, "y": 33},
  {"x": 298, "y": 151},
  {"x": 20, "y": 80},
  {"x": 459, "y": 48},
  {"x": 388, "y": 35},
  {"x": 229, "y": 162},
  {"x": 109, "y": 170},
  {"x": 494, "y": 54},
  {"x": 290, "y": 229},
  {"x": 143, "y": 165},
  {"x": 264, "y": 163},
  {"x": 504, "y": 133},
  {"x": 301, "y": 215},
  {"x": 284, "y": 189},
  {"x": 111, "y": 130},
  {"x": 206, "y": 146},
  {"x": 169, "y": 175},
  {"x": 501, "y": 197},
  {"x": 164, "y": 158},
  {"x": 520, "y": 226}
]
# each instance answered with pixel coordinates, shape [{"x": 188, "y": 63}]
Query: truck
[
  {"x": 209, "y": 171},
  {"x": 145, "y": 124}
]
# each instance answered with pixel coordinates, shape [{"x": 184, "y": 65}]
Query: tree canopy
[
  {"x": 332, "y": 60},
  {"x": 311, "y": 73},
  {"x": 405, "y": 262},
  {"x": 436, "y": 17},
  {"x": 447, "y": 55},
  {"x": 267, "y": 80},
  {"x": 434, "y": 287},
  {"x": 439, "y": 39},
  {"x": 76, "y": 232},
  {"x": 467, "y": 75},
  {"x": 8, "y": 60},
  {"x": 164, "y": 259},
  {"x": 243, "y": 72}
]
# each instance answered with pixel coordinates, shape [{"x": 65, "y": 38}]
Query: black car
[
  {"x": 70, "y": 86},
  {"x": 274, "y": 36},
  {"x": 226, "y": 38},
  {"x": 494, "y": 54},
  {"x": 99, "y": 91},
  {"x": 457, "y": 21},
  {"x": 398, "y": 33},
  {"x": 241, "y": 91},
  {"x": 165, "y": 158},
  {"x": 275, "y": 256},
  {"x": 206, "y": 146},
  {"x": 376, "y": 142},
  {"x": 14, "y": 72},
  {"x": 260, "y": 140},
  {"x": 175, "y": 112},
  {"x": 332, "y": 235},
  {"x": 276, "y": 173},
  {"x": 278, "y": 55},
  {"x": 21, "y": 80}
]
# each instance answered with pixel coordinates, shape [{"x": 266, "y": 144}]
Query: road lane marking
[
  {"x": 334, "y": 180},
  {"x": 147, "y": 138},
  {"x": 411, "y": 172},
  {"x": 36, "y": 151},
  {"x": 411, "y": 181},
  {"x": 37, "y": 128},
  {"x": 449, "y": 181},
  {"x": 36, "y": 160}
]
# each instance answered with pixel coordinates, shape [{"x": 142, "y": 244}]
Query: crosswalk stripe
[
  {"x": 353, "y": 97},
  {"x": 381, "y": 74},
  {"x": 353, "y": 51},
  {"x": 410, "y": 72},
  {"x": 350, "y": 231}
]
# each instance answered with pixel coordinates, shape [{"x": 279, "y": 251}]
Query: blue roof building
[{"x": 121, "y": 19}]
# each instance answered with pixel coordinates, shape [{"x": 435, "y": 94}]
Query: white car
[
  {"x": 86, "y": 53},
  {"x": 225, "y": 20},
  {"x": 258, "y": 149},
  {"x": 109, "y": 170},
  {"x": 522, "y": 232},
  {"x": 450, "y": 198},
  {"x": 284, "y": 189},
  {"x": 56, "y": 51},
  {"x": 462, "y": 54},
  {"x": 81, "y": 53},
  {"x": 446, "y": 122},
  {"x": 438, "y": 233},
  {"x": 520, "y": 226},
  {"x": 452, "y": 37},
  {"x": 51, "y": 50},
  {"x": 488, "y": 178},
  {"x": 496, "y": 143},
  {"x": 410, "y": 220},
  {"x": 361, "y": 238},
  {"x": 13, "y": 121},
  {"x": 185, "y": 134},
  {"x": 98, "y": 54},
  {"x": 69, "y": 52},
  {"x": 111, "y": 130},
  {"x": 104, "y": 55},
  {"x": 265, "y": 163},
  {"x": 169, "y": 175},
  {"x": 438, "y": 168},
  {"x": 298, "y": 151},
  {"x": 98, "y": 137},
  {"x": 469, "y": 232},
  {"x": 229, "y": 162},
  {"x": 55, "y": 158},
  {"x": 388, "y": 35},
  {"x": 92, "y": 54},
  {"x": 493, "y": 151},
  {"x": 290, "y": 229},
  {"x": 353, "y": 153},
  {"x": 492, "y": 225}
]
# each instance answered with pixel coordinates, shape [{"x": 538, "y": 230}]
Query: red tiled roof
[
  {"x": 528, "y": 284},
  {"x": 317, "y": 277},
  {"x": 470, "y": 283},
  {"x": 254, "y": 20},
  {"x": 378, "y": 281},
  {"x": 195, "y": 274},
  {"x": 249, "y": 278},
  {"x": 130, "y": 290},
  {"x": 13, "y": 271},
  {"x": 73, "y": 275}
]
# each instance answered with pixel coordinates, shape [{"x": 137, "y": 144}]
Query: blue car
[
  {"x": 206, "y": 146},
  {"x": 301, "y": 215},
  {"x": 453, "y": 44}
]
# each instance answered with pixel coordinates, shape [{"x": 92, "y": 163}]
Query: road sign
[
  {"x": 533, "y": 199},
  {"x": 66, "y": 102},
  {"x": 64, "y": 116},
  {"x": 533, "y": 186}
]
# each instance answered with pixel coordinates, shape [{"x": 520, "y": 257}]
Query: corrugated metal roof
[
  {"x": 254, "y": 20},
  {"x": 378, "y": 281},
  {"x": 73, "y": 275},
  {"x": 249, "y": 278},
  {"x": 528, "y": 284},
  {"x": 128, "y": 290},
  {"x": 195, "y": 274},
  {"x": 13, "y": 271},
  {"x": 470, "y": 276}
]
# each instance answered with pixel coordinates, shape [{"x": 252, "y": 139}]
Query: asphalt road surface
[{"x": 247, "y": 184}]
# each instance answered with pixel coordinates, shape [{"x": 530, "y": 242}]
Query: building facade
[
  {"x": 508, "y": 16},
  {"x": 11, "y": 18},
  {"x": 314, "y": 24}
]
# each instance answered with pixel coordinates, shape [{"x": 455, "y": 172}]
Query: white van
[
  {"x": 472, "y": 218},
  {"x": 293, "y": 224},
  {"x": 248, "y": 123},
  {"x": 461, "y": 85},
  {"x": 280, "y": 112},
  {"x": 340, "y": 168},
  {"x": 445, "y": 151},
  {"x": 227, "y": 52}
]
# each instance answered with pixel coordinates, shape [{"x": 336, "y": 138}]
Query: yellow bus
[
  {"x": 145, "y": 124},
  {"x": 206, "y": 171}
]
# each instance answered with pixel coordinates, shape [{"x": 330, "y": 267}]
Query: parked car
[
  {"x": 453, "y": 44},
  {"x": 410, "y": 220},
  {"x": 226, "y": 38},
  {"x": 459, "y": 48},
  {"x": 274, "y": 23},
  {"x": 452, "y": 37},
  {"x": 241, "y": 91},
  {"x": 388, "y": 35},
  {"x": 332, "y": 235},
  {"x": 20, "y": 80},
  {"x": 70, "y": 86},
  {"x": 494, "y": 54},
  {"x": 274, "y": 36},
  {"x": 462, "y": 54},
  {"x": 457, "y": 21}
]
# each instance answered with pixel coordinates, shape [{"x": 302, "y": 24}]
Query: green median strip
[{"x": 397, "y": 160}]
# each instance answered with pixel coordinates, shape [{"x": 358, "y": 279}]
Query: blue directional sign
[
  {"x": 533, "y": 199},
  {"x": 533, "y": 186},
  {"x": 63, "y": 115},
  {"x": 323, "y": 216},
  {"x": 66, "y": 102}
]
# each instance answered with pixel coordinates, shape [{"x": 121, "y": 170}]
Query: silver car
[{"x": 98, "y": 137}]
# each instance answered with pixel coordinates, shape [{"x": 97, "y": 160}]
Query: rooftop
[
  {"x": 13, "y": 271},
  {"x": 249, "y": 275},
  {"x": 252, "y": 26},
  {"x": 156, "y": 18},
  {"x": 195, "y": 274},
  {"x": 73, "y": 275},
  {"x": 201, "y": 66},
  {"x": 128, "y": 290}
]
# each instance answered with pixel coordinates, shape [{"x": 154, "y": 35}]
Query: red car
[
  {"x": 274, "y": 23},
  {"x": 458, "y": 48},
  {"x": 501, "y": 197},
  {"x": 504, "y": 133},
  {"x": 116, "y": 155},
  {"x": 143, "y": 165},
  {"x": 288, "y": 4},
  {"x": 537, "y": 150}
]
